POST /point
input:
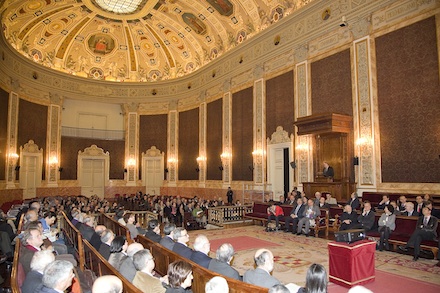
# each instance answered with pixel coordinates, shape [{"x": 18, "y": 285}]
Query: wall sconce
[
  {"x": 201, "y": 160},
  {"x": 172, "y": 160},
  {"x": 293, "y": 165},
  {"x": 302, "y": 147},
  {"x": 60, "y": 169},
  {"x": 53, "y": 161},
  {"x": 131, "y": 162},
  {"x": 363, "y": 141}
]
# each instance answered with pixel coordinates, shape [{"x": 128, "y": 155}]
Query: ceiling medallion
[{"x": 120, "y": 6}]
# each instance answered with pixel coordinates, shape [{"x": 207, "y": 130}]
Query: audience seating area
[
  {"x": 259, "y": 213},
  {"x": 376, "y": 197}
]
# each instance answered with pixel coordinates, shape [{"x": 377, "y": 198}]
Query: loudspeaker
[
  {"x": 350, "y": 236},
  {"x": 356, "y": 161},
  {"x": 293, "y": 165}
]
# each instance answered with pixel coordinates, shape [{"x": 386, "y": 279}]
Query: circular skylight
[{"x": 120, "y": 6}]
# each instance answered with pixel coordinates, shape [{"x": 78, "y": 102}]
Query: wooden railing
[
  {"x": 113, "y": 225},
  {"x": 14, "y": 273},
  {"x": 226, "y": 214},
  {"x": 163, "y": 257},
  {"x": 73, "y": 237}
]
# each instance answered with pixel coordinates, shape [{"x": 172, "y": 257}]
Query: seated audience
[
  {"x": 290, "y": 200},
  {"x": 167, "y": 241},
  {"x": 107, "y": 284},
  {"x": 144, "y": 279},
  {"x": 118, "y": 251},
  {"x": 261, "y": 275},
  {"x": 387, "y": 224},
  {"x": 32, "y": 239},
  {"x": 153, "y": 231},
  {"x": 179, "y": 277},
  {"x": 435, "y": 212},
  {"x": 127, "y": 268},
  {"x": 295, "y": 215},
  {"x": 348, "y": 218},
  {"x": 385, "y": 201},
  {"x": 311, "y": 212},
  {"x": 419, "y": 204},
  {"x": 275, "y": 212},
  {"x": 106, "y": 240},
  {"x": 7, "y": 226},
  {"x": 201, "y": 251},
  {"x": 323, "y": 204},
  {"x": 353, "y": 202},
  {"x": 318, "y": 196},
  {"x": 129, "y": 218},
  {"x": 217, "y": 285},
  {"x": 393, "y": 203},
  {"x": 87, "y": 230},
  {"x": 222, "y": 262},
  {"x": 34, "y": 279},
  {"x": 331, "y": 200},
  {"x": 426, "y": 229},
  {"x": 199, "y": 215},
  {"x": 366, "y": 219},
  {"x": 402, "y": 204},
  {"x": 316, "y": 280},
  {"x": 181, "y": 246},
  {"x": 409, "y": 210},
  {"x": 57, "y": 277}
]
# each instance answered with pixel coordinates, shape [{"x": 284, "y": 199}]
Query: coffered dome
[{"x": 135, "y": 40}]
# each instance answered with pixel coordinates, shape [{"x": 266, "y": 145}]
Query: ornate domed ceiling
[{"x": 135, "y": 40}]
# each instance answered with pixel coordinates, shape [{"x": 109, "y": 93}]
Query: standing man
[
  {"x": 426, "y": 229},
  {"x": 230, "y": 195},
  {"x": 328, "y": 171}
]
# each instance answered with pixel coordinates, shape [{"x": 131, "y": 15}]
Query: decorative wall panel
[
  {"x": 242, "y": 135},
  {"x": 409, "y": 103},
  {"x": 4, "y": 101},
  {"x": 214, "y": 123},
  {"x": 188, "y": 144}
]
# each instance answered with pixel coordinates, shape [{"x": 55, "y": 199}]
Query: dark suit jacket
[
  {"x": 260, "y": 278},
  {"x": 430, "y": 227},
  {"x": 329, "y": 172},
  {"x": 224, "y": 269},
  {"x": 153, "y": 236},
  {"x": 127, "y": 269},
  {"x": 90, "y": 235},
  {"x": 346, "y": 216},
  {"x": 300, "y": 213},
  {"x": 32, "y": 281},
  {"x": 201, "y": 258},
  {"x": 167, "y": 242},
  {"x": 354, "y": 203},
  {"x": 367, "y": 221},
  {"x": 104, "y": 250},
  {"x": 414, "y": 214},
  {"x": 182, "y": 250}
]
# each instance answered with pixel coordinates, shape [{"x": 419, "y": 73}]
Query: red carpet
[
  {"x": 391, "y": 283},
  {"x": 242, "y": 243}
]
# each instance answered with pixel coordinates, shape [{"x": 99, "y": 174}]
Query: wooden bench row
[
  {"x": 376, "y": 197},
  {"x": 259, "y": 213}
]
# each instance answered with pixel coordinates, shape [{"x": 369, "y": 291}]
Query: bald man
[
  {"x": 107, "y": 284},
  {"x": 261, "y": 275}
]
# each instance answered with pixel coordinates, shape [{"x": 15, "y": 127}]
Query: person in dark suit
[
  {"x": 409, "y": 210},
  {"x": 34, "y": 279},
  {"x": 201, "y": 251},
  {"x": 328, "y": 171},
  {"x": 106, "y": 238},
  {"x": 322, "y": 204},
  {"x": 181, "y": 247},
  {"x": 426, "y": 229},
  {"x": 419, "y": 204},
  {"x": 230, "y": 195},
  {"x": 384, "y": 202},
  {"x": 353, "y": 202},
  {"x": 295, "y": 215},
  {"x": 222, "y": 262},
  {"x": 127, "y": 268},
  {"x": 167, "y": 241},
  {"x": 153, "y": 231},
  {"x": 348, "y": 218},
  {"x": 366, "y": 219},
  {"x": 57, "y": 277},
  {"x": 87, "y": 230},
  {"x": 32, "y": 239},
  {"x": 261, "y": 275}
]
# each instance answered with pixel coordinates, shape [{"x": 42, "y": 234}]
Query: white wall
[{"x": 84, "y": 114}]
